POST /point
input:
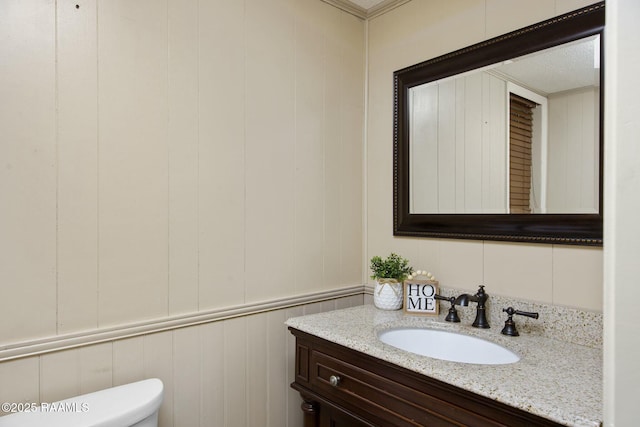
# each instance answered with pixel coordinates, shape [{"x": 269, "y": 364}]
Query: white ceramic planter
[{"x": 388, "y": 295}]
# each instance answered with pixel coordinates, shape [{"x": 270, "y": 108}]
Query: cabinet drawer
[{"x": 370, "y": 394}]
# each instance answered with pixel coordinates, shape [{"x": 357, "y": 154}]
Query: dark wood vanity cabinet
[{"x": 343, "y": 387}]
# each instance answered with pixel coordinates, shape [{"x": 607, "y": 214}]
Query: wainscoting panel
[
  {"x": 227, "y": 373},
  {"x": 212, "y": 390},
  {"x": 19, "y": 380}
]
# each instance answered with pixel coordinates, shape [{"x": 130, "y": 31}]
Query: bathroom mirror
[{"x": 502, "y": 140}]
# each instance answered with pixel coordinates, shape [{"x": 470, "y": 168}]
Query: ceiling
[
  {"x": 366, "y": 4},
  {"x": 366, "y": 8}
]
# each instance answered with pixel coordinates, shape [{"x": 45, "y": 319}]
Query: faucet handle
[
  {"x": 531, "y": 314},
  {"x": 452, "y": 316},
  {"x": 510, "y": 325}
]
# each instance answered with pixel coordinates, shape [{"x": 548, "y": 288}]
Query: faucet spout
[{"x": 463, "y": 300}]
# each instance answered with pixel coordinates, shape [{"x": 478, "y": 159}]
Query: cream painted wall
[
  {"x": 125, "y": 148},
  {"x": 169, "y": 157},
  {"x": 622, "y": 201},
  {"x": 164, "y": 160},
  {"x": 415, "y": 32}
]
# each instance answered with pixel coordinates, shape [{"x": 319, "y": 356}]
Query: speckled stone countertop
[{"x": 554, "y": 379}]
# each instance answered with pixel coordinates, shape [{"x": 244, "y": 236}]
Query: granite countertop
[{"x": 553, "y": 379}]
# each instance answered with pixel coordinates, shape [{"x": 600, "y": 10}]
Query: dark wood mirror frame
[{"x": 573, "y": 229}]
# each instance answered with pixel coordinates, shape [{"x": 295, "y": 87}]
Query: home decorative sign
[{"x": 420, "y": 297}]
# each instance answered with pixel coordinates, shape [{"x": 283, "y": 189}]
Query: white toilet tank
[{"x": 129, "y": 405}]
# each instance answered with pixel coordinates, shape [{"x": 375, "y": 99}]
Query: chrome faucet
[{"x": 481, "y": 312}]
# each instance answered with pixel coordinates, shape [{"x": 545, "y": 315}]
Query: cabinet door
[{"x": 333, "y": 417}]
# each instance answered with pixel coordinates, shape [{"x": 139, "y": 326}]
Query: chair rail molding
[{"x": 50, "y": 344}]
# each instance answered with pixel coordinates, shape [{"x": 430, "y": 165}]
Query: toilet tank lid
[{"x": 118, "y": 406}]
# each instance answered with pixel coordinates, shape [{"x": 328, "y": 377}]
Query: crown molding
[
  {"x": 362, "y": 13},
  {"x": 348, "y": 7},
  {"x": 384, "y": 7}
]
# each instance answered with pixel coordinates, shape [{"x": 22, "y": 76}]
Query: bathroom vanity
[{"x": 348, "y": 377}]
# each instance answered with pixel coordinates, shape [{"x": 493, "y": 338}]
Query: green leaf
[{"x": 393, "y": 267}]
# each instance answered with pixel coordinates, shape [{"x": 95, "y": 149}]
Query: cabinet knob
[{"x": 334, "y": 380}]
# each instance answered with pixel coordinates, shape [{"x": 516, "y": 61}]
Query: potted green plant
[{"x": 389, "y": 273}]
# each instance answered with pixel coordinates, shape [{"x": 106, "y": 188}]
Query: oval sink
[{"x": 447, "y": 345}]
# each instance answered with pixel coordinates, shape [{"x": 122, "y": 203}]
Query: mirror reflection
[{"x": 520, "y": 136}]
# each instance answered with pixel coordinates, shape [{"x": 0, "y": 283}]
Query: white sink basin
[{"x": 447, "y": 345}]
